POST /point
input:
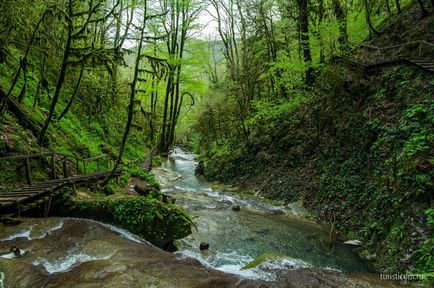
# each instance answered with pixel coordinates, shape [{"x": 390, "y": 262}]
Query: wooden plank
[
  {"x": 17, "y": 194},
  {"x": 7, "y": 200},
  {"x": 27, "y": 189},
  {"x": 12, "y": 199},
  {"x": 21, "y": 157}
]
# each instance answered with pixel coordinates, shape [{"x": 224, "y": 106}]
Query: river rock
[
  {"x": 236, "y": 208},
  {"x": 168, "y": 199},
  {"x": 228, "y": 202},
  {"x": 123, "y": 262},
  {"x": 145, "y": 190},
  {"x": 297, "y": 209},
  {"x": 203, "y": 246}
]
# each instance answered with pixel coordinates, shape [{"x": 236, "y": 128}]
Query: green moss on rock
[{"x": 151, "y": 219}]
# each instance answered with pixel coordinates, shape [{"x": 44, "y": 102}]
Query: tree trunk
[
  {"x": 398, "y": 6},
  {"x": 24, "y": 60},
  {"x": 304, "y": 38},
  {"x": 368, "y": 18},
  {"x": 340, "y": 14},
  {"x": 60, "y": 79},
  {"x": 132, "y": 96}
]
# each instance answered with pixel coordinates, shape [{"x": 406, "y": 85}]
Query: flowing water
[
  {"x": 238, "y": 237},
  {"x": 65, "y": 252}
]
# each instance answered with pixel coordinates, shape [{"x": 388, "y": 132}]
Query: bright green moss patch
[{"x": 151, "y": 219}]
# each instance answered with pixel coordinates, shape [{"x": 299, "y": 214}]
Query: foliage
[
  {"x": 424, "y": 256},
  {"x": 362, "y": 168}
]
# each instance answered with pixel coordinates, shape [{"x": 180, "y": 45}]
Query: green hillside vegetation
[{"x": 283, "y": 100}]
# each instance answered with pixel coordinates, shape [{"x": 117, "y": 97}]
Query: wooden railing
[
  {"x": 394, "y": 49},
  {"x": 64, "y": 159}
]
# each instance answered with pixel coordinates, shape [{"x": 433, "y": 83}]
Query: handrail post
[
  {"x": 53, "y": 166},
  {"x": 65, "y": 171},
  {"x": 84, "y": 166},
  {"x": 27, "y": 171},
  {"x": 77, "y": 164}
]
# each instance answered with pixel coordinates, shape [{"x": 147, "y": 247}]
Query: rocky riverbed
[{"x": 65, "y": 252}]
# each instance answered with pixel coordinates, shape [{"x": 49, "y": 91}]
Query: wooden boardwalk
[
  {"x": 426, "y": 64},
  {"x": 27, "y": 193},
  {"x": 32, "y": 194},
  {"x": 386, "y": 56}
]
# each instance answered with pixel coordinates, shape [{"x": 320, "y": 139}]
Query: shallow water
[
  {"x": 238, "y": 237},
  {"x": 66, "y": 252}
]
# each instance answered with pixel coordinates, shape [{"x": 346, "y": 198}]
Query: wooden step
[
  {"x": 31, "y": 194},
  {"x": 12, "y": 199},
  {"x": 16, "y": 195}
]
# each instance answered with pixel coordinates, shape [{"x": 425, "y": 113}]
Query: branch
[{"x": 91, "y": 11}]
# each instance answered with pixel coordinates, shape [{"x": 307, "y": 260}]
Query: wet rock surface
[{"x": 82, "y": 253}]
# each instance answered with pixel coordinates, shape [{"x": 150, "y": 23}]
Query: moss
[{"x": 151, "y": 219}]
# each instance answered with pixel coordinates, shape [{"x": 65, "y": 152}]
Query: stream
[
  {"x": 69, "y": 252},
  {"x": 238, "y": 237}
]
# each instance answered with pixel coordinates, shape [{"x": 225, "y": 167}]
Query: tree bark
[
  {"x": 398, "y": 6},
  {"x": 340, "y": 14},
  {"x": 303, "y": 22},
  {"x": 132, "y": 97},
  {"x": 60, "y": 79}
]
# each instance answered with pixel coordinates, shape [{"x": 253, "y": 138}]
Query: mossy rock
[
  {"x": 268, "y": 256},
  {"x": 155, "y": 221}
]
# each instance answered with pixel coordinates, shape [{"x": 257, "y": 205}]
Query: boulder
[
  {"x": 147, "y": 217},
  {"x": 168, "y": 199},
  {"x": 145, "y": 190},
  {"x": 236, "y": 208},
  {"x": 203, "y": 246}
]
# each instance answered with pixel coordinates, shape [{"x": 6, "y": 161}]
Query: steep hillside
[{"x": 357, "y": 149}]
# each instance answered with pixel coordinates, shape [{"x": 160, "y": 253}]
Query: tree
[
  {"x": 303, "y": 22},
  {"x": 177, "y": 24},
  {"x": 77, "y": 25},
  {"x": 133, "y": 88}
]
